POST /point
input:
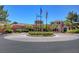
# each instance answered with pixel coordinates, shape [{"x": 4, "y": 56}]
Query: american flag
[
  {"x": 46, "y": 14},
  {"x": 40, "y": 11}
]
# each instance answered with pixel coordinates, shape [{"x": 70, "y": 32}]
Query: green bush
[
  {"x": 77, "y": 31},
  {"x": 9, "y": 31},
  {"x": 73, "y": 31},
  {"x": 41, "y": 33},
  {"x": 21, "y": 30},
  {"x": 25, "y": 30}
]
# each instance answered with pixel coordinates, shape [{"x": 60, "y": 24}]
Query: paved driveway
[{"x": 10, "y": 46}]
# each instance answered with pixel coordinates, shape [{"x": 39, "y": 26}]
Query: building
[
  {"x": 58, "y": 26},
  {"x": 18, "y": 26}
]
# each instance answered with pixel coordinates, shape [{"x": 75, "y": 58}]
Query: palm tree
[
  {"x": 72, "y": 17},
  {"x": 67, "y": 23}
]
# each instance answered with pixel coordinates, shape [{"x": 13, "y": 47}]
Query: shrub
[
  {"x": 21, "y": 30},
  {"x": 41, "y": 33},
  {"x": 25, "y": 30},
  {"x": 73, "y": 31},
  {"x": 77, "y": 31},
  {"x": 9, "y": 31}
]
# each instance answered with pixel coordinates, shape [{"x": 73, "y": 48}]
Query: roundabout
[{"x": 25, "y": 38}]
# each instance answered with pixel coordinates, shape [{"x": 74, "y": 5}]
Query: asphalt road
[{"x": 9, "y": 46}]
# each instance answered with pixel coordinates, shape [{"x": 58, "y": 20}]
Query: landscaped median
[{"x": 40, "y": 33}]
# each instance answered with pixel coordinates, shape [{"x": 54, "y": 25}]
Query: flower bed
[{"x": 40, "y": 33}]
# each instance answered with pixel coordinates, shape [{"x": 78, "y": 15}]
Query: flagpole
[
  {"x": 40, "y": 21},
  {"x": 46, "y": 19},
  {"x": 46, "y": 24},
  {"x": 40, "y": 17},
  {"x": 36, "y": 23}
]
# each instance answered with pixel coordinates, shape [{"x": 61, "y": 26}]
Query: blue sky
[{"x": 27, "y": 13}]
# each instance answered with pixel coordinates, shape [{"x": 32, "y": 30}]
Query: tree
[
  {"x": 55, "y": 26},
  {"x": 3, "y": 14},
  {"x": 47, "y": 27},
  {"x": 67, "y": 23},
  {"x": 72, "y": 16},
  {"x": 29, "y": 27},
  {"x": 15, "y": 22},
  {"x": 39, "y": 22},
  {"x": 51, "y": 23}
]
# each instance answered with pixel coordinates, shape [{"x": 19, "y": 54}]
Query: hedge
[
  {"x": 41, "y": 33},
  {"x": 73, "y": 31}
]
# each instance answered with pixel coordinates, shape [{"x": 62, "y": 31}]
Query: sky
[{"x": 27, "y": 13}]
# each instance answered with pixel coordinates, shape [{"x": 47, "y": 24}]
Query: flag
[
  {"x": 36, "y": 17},
  {"x": 40, "y": 11},
  {"x": 46, "y": 14}
]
